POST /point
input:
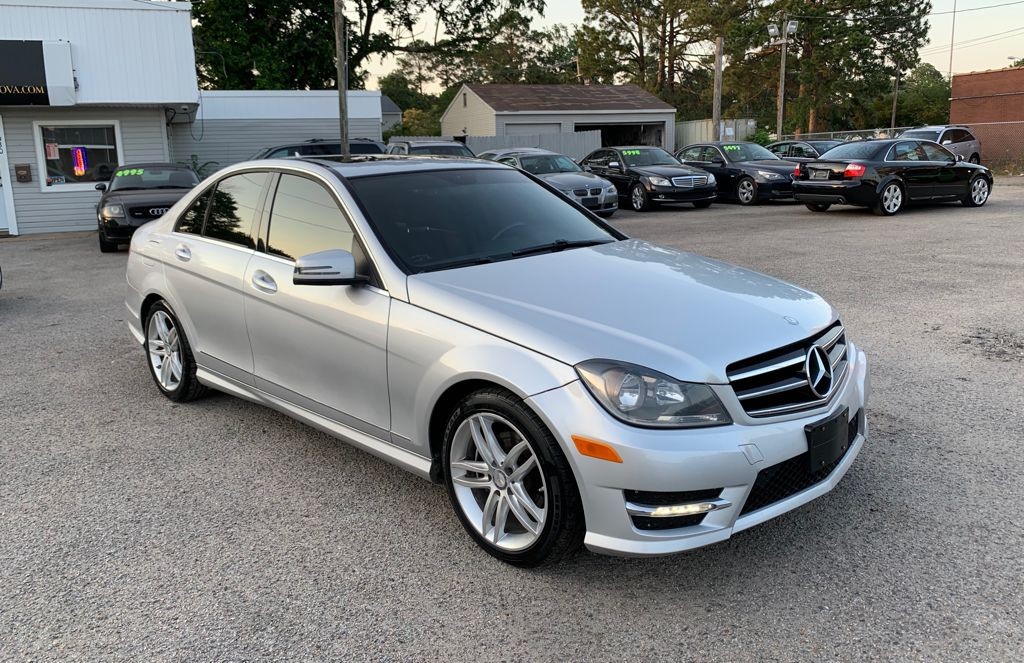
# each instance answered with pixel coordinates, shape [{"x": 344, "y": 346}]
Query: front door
[
  {"x": 321, "y": 347},
  {"x": 6, "y": 192},
  {"x": 950, "y": 180},
  {"x": 918, "y": 172}
]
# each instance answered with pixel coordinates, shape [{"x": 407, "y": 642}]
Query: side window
[
  {"x": 712, "y": 155},
  {"x": 802, "y": 150},
  {"x": 692, "y": 154},
  {"x": 905, "y": 152},
  {"x": 281, "y": 152},
  {"x": 233, "y": 208},
  {"x": 192, "y": 220},
  {"x": 968, "y": 136},
  {"x": 598, "y": 158},
  {"x": 935, "y": 153},
  {"x": 509, "y": 161},
  {"x": 956, "y": 136},
  {"x": 305, "y": 219},
  {"x": 782, "y": 149}
]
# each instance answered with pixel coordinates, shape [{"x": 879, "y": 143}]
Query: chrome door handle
[
  {"x": 183, "y": 253},
  {"x": 264, "y": 282}
]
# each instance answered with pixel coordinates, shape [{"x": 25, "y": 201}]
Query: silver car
[
  {"x": 956, "y": 138},
  {"x": 465, "y": 322},
  {"x": 592, "y": 191}
]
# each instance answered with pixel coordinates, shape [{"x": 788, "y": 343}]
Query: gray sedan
[
  {"x": 464, "y": 321},
  {"x": 592, "y": 191}
]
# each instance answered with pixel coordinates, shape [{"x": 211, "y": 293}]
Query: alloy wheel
[
  {"x": 638, "y": 198},
  {"x": 498, "y": 482},
  {"x": 745, "y": 191},
  {"x": 892, "y": 198},
  {"x": 164, "y": 347},
  {"x": 979, "y": 191}
]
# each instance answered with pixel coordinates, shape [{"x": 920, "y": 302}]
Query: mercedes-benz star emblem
[{"x": 819, "y": 371}]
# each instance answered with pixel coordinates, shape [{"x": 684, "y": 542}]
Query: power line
[
  {"x": 897, "y": 16},
  {"x": 977, "y": 41}
]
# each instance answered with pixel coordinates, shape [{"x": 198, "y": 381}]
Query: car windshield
[
  {"x": 736, "y": 152},
  {"x": 450, "y": 218},
  {"x": 650, "y": 156},
  {"x": 921, "y": 134},
  {"x": 549, "y": 163},
  {"x": 153, "y": 177},
  {"x": 441, "y": 150},
  {"x": 855, "y": 150}
]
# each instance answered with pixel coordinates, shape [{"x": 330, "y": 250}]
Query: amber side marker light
[{"x": 596, "y": 449}]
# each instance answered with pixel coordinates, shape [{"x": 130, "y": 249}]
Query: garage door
[{"x": 532, "y": 129}]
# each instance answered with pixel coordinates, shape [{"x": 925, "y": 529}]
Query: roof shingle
[{"x": 526, "y": 98}]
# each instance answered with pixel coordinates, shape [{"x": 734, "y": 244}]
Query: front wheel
[
  {"x": 977, "y": 192},
  {"x": 638, "y": 198},
  {"x": 890, "y": 201},
  {"x": 703, "y": 204},
  {"x": 508, "y": 481},
  {"x": 170, "y": 356},
  {"x": 746, "y": 191},
  {"x": 818, "y": 207}
]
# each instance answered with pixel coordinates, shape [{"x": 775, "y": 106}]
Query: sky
[{"x": 984, "y": 38}]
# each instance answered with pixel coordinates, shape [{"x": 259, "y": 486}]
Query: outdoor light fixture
[
  {"x": 791, "y": 27},
  {"x": 773, "y": 31}
]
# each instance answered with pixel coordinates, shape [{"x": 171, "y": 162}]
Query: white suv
[{"x": 956, "y": 138}]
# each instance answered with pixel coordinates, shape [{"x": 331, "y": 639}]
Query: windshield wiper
[
  {"x": 467, "y": 262},
  {"x": 559, "y": 245},
  {"x": 172, "y": 186}
]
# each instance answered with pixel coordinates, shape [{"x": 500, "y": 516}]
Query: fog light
[{"x": 682, "y": 510}]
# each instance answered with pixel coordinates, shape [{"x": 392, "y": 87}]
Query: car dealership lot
[{"x": 136, "y": 528}]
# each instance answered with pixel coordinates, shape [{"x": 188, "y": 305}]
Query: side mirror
[
  {"x": 959, "y": 157},
  {"x": 101, "y": 187},
  {"x": 947, "y": 142},
  {"x": 717, "y": 162},
  {"x": 331, "y": 267},
  {"x": 615, "y": 165}
]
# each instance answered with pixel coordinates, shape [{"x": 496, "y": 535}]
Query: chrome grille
[
  {"x": 690, "y": 181},
  {"x": 585, "y": 192},
  {"x": 776, "y": 382}
]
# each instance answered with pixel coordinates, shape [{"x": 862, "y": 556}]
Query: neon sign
[{"x": 78, "y": 161}]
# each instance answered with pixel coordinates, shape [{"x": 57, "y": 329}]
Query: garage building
[{"x": 624, "y": 114}]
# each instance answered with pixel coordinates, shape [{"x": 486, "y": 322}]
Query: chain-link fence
[{"x": 1002, "y": 143}]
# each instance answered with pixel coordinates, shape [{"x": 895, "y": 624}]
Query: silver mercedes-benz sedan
[{"x": 465, "y": 321}]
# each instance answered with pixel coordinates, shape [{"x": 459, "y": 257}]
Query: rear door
[
  {"x": 918, "y": 172},
  {"x": 320, "y": 347},
  {"x": 210, "y": 249}
]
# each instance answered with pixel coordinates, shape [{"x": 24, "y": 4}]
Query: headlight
[
  {"x": 659, "y": 181},
  {"x": 769, "y": 175},
  {"x": 644, "y": 397},
  {"x": 114, "y": 211},
  {"x": 611, "y": 190},
  {"x": 711, "y": 179}
]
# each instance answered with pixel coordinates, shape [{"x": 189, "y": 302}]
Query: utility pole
[
  {"x": 716, "y": 104},
  {"x": 782, "y": 85},
  {"x": 341, "y": 55},
  {"x": 895, "y": 96},
  {"x": 952, "y": 34}
]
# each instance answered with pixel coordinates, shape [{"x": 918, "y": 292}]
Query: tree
[
  {"x": 924, "y": 98},
  {"x": 290, "y": 43},
  {"x": 419, "y": 122},
  {"x": 1018, "y": 63}
]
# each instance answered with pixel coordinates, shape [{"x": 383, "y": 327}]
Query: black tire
[
  {"x": 984, "y": 190},
  {"x": 818, "y": 207},
  {"x": 639, "y": 201},
  {"x": 106, "y": 246},
  {"x": 974, "y": 158},
  {"x": 746, "y": 191},
  {"x": 883, "y": 208},
  {"x": 703, "y": 204},
  {"x": 189, "y": 388},
  {"x": 562, "y": 533}
]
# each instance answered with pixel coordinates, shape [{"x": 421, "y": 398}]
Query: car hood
[
  {"x": 574, "y": 180},
  {"x": 771, "y": 165},
  {"x": 668, "y": 171},
  {"x": 676, "y": 312}
]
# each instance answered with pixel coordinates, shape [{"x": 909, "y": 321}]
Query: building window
[{"x": 74, "y": 156}]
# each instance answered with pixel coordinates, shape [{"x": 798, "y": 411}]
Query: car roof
[
  {"x": 381, "y": 164},
  {"x": 427, "y": 142}
]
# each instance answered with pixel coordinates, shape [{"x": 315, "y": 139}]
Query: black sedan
[
  {"x": 885, "y": 175},
  {"x": 648, "y": 176},
  {"x": 746, "y": 172},
  {"x": 802, "y": 150},
  {"x": 138, "y": 193}
]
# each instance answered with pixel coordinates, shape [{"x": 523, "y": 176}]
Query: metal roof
[{"x": 505, "y": 98}]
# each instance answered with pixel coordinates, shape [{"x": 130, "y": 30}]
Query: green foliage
[
  {"x": 762, "y": 136},
  {"x": 1018, "y": 63},
  {"x": 419, "y": 122}
]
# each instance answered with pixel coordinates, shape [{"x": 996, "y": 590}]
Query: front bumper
[
  {"x": 727, "y": 457},
  {"x": 672, "y": 194},
  {"x": 781, "y": 189},
  {"x": 119, "y": 228},
  {"x": 604, "y": 202}
]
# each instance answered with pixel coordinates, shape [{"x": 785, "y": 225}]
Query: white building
[{"x": 87, "y": 85}]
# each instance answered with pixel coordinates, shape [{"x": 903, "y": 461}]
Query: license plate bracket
[
  {"x": 819, "y": 174},
  {"x": 827, "y": 440}
]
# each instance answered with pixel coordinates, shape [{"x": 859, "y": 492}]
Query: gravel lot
[{"x": 132, "y": 528}]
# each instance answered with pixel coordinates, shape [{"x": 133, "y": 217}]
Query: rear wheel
[
  {"x": 638, "y": 198},
  {"x": 818, "y": 207},
  {"x": 107, "y": 246},
  {"x": 746, "y": 191},
  {"x": 703, "y": 204},
  {"x": 508, "y": 481},
  {"x": 890, "y": 201},
  {"x": 977, "y": 192},
  {"x": 170, "y": 356}
]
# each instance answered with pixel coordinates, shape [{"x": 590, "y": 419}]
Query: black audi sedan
[
  {"x": 649, "y": 176},
  {"x": 746, "y": 172},
  {"x": 138, "y": 193},
  {"x": 885, "y": 175}
]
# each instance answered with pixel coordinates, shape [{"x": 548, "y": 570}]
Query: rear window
[
  {"x": 921, "y": 134},
  {"x": 856, "y": 150},
  {"x": 442, "y": 150},
  {"x": 365, "y": 148}
]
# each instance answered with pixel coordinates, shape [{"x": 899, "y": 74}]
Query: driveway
[{"x": 134, "y": 528}]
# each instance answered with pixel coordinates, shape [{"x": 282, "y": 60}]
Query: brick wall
[{"x": 988, "y": 96}]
